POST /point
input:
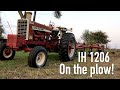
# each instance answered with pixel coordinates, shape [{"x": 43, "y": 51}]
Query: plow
[{"x": 39, "y": 40}]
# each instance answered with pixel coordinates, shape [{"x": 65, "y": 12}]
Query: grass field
[{"x": 18, "y": 68}]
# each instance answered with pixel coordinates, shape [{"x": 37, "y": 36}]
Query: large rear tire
[
  {"x": 67, "y": 47},
  {"x": 37, "y": 57},
  {"x": 6, "y": 53}
]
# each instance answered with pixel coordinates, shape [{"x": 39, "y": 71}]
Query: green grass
[{"x": 18, "y": 68}]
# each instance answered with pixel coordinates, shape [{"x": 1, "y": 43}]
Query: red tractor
[{"x": 38, "y": 39}]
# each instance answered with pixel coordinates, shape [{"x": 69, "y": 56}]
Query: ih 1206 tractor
[{"x": 38, "y": 39}]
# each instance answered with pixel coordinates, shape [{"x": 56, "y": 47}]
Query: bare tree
[
  {"x": 1, "y": 27},
  {"x": 57, "y": 14}
]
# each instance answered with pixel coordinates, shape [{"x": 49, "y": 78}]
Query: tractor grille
[{"x": 22, "y": 28}]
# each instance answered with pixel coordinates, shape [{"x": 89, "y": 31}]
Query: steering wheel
[{"x": 51, "y": 24}]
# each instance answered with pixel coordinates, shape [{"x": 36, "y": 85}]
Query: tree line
[{"x": 91, "y": 37}]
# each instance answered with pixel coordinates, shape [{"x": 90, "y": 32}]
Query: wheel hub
[
  {"x": 71, "y": 48},
  {"x": 7, "y": 52},
  {"x": 40, "y": 58}
]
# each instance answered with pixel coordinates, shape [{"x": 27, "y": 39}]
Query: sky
[{"x": 106, "y": 21}]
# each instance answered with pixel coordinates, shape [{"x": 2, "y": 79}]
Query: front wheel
[
  {"x": 6, "y": 53},
  {"x": 37, "y": 57}
]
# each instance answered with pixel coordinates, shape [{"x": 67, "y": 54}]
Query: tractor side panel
[{"x": 14, "y": 41}]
